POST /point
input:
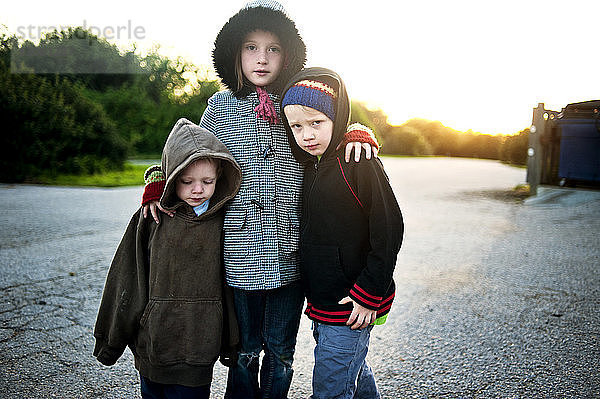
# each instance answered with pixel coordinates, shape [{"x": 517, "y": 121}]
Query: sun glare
[{"x": 468, "y": 64}]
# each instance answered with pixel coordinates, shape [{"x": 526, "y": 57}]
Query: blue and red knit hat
[{"x": 314, "y": 94}]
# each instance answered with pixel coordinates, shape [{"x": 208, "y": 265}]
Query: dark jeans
[
  {"x": 269, "y": 321},
  {"x": 154, "y": 390}
]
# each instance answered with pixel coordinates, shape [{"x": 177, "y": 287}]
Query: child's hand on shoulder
[
  {"x": 358, "y": 148},
  {"x": 154, "y": 206},
  {"x": 360, "y": 317},
  {"x": 358, "y": 137}
]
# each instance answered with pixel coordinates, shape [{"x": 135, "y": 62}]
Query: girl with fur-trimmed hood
[{"x": 255, "y": 53}]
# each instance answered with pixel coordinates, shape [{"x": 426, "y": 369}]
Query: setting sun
[{"x": 469, "y": 64}]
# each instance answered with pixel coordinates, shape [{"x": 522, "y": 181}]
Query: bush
[
  {"x": 514, "y": 148},
  {"x": 50, "y": 127},
  {"x": 403, "y": 140},
  {"x": 64, "y": 120}
]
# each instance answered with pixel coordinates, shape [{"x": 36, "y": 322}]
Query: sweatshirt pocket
[
  {"x": 180, "y": 331},
  {"x": 322, "y": 275}
]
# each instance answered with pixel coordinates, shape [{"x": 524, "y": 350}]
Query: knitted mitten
[
  {"x": 154, "y": 178},
  {"x": 359, "y": 133}
]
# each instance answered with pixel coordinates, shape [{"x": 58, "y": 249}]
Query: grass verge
[{"x": 131, "y": 175}]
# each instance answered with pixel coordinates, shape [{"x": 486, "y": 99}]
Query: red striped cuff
[
  {"x": 385, "y": 305},
  {"x": 364, "y": 298}
]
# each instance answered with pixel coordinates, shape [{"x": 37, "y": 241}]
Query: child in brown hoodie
[{"x": 165, "y": 295}]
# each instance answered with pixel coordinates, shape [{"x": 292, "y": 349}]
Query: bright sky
[{"x": 471, "y": 64}]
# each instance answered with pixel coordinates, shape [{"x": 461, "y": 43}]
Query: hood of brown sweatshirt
[{"x": 187, "y": 143}]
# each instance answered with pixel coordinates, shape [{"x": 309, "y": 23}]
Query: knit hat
[{"x": 314, "y": 94}]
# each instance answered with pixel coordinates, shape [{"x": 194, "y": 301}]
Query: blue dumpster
[{"x": 579, "y": 150}]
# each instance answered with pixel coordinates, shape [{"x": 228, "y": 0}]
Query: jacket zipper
[{"x": 306, "y": 214}]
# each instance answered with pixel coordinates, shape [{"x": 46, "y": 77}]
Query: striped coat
[{"x": 261, "y": 228}]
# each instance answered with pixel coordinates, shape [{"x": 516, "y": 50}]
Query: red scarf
[{"x": 265, "y": 109}]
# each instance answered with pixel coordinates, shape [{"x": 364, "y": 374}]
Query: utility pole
[{"x": 535, "y": 149}]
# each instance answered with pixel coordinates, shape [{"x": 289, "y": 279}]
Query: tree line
[
  {"x": 419, "y": 137},
  {"x": 74, "y": 103}
]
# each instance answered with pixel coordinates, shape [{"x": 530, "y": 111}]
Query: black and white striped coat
[{"x": 261, "y": 228}]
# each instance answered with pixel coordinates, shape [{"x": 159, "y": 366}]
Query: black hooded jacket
[{"x": 351, "y": 228}]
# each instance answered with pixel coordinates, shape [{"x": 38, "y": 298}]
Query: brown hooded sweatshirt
[{"x": 165, "y": 295}]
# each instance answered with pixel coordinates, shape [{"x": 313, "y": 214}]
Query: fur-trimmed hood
[
  {"x": 186, "y": 143},
  {"x": 267, "y": 15},
  {"x": 342, "y": 110}
]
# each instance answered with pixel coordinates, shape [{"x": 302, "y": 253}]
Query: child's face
[
  {"x": 312, "y": 129},
  {"x": 196, "y": 183},
  {"x": 262, "y": 57}
]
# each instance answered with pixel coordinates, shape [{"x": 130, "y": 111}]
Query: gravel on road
[{"x": 496, "y": 298}]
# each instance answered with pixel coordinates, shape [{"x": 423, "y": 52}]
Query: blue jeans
[
  {"x": 341, "y": 370},
  {"x": 269, "y": 321},
  {"x": 154, "y": 390}
]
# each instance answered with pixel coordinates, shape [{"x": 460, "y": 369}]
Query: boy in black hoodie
[{"x": 351, "y": 233}]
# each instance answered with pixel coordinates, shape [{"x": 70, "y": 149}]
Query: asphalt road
[{"x": 495, "y": 298}]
